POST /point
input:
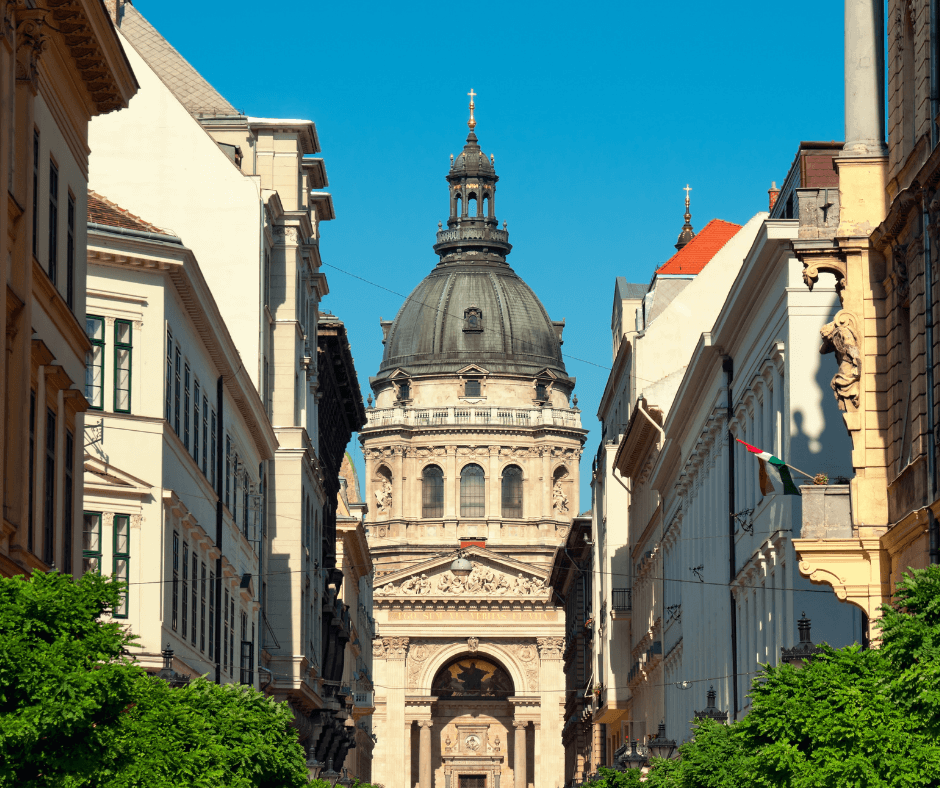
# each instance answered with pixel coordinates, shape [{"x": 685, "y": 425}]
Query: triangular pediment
[
  {"x": 102, "y": 478},
  {"x": 493, "y": 576},
  {"x": 473, "y": 369},
  {"x": 547, "y": 373},
  {"x": 400, "y": 373}
]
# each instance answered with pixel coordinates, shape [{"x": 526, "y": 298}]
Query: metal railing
[{"x": 622, "y": 599}]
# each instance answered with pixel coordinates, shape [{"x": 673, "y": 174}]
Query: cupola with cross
[{"x": 471, "y": 224}]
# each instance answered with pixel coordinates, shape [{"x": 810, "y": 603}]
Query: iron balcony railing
[{"x": 622, "y": 599}]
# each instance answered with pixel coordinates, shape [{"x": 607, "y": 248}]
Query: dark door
[{"x": 472, "y": 781}]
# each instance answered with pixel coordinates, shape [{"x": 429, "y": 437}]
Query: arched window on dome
[
  {"x": 512, "y": 491},
  {"x": 486, "y": 204},
  {"x": 432, "y": 492},
  {"x": 472, "y": 491},
  {"x": 472, "y": 204},
  {"x": 459, "y": 203}
]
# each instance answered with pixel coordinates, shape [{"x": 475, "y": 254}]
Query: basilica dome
[{"x": 470, "y": 313}]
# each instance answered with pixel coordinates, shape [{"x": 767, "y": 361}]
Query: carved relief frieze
[
  {"x": 482, "y": 581},
  {"x": 395, "y": 648},
  {"x": 418, "y": 655}
]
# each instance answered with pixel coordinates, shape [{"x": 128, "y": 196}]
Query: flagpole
[
  {"x": 758, "y": 451},
  {"x": 799, "y": 471}
]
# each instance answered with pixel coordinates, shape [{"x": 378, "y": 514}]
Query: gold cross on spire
[
  {"x": 471, "y": 123},
  {"x": 687, "y": 189}
]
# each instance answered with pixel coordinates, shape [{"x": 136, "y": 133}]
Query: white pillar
[
  {"x": 519, "y": 762},
  {"x": 424, "y": 761},
  {"x": 864, "y": 78}
]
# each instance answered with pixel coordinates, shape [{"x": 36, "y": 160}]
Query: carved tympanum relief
[{"x": 482, "y": 581}]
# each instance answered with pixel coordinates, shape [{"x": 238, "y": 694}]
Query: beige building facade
[
  {"x": 61, "y": 65},
  {"x": 473, "y": 444},
  {"x": 175, "y": 454},
  {"x": 251, "y": 211}
]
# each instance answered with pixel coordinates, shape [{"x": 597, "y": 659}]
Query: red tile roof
[
  {"x": 698, "y": 252},
  {"x": 102, "y": 211}
]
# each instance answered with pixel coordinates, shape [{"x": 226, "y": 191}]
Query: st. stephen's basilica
[{"x": 471, "y": 451}]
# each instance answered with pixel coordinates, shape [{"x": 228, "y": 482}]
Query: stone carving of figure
[
  {"x": 559, "y": 499},
  {"x": 385, "y": 590},
  {"x": 521, "y": 585},
  {"x": 409, "y": 586},
  {"x": 457, "y": 586},
  {"x": 496, "y": 744},
  {"x": 490, "y": 582},
  {"x": 424, "y": 585},
  {"x": 474, "y": 582},
  {"x": 503, "y": 585},
  {"x": 444, "y": 582},
  {"x": 536, "y": 585},
  {"x": 839, "y": 338},
  {"x": 383, "y": 496}
]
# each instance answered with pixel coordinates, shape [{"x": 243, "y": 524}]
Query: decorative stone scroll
[
  {"x": 482, "y": 581},
  {"x": 418, "y": 656},
  {"x": 390, "y": 648},
  {"x": 551, "y": 648}
]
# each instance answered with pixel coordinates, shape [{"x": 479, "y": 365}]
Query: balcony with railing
[
  {"x": 473, "y": 416},
  {"x": 622, "y": 601},
  {"x": 473, "y": 232}
]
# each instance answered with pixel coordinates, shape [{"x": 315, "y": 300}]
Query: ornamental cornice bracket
[{"x": 820, "y": 261}]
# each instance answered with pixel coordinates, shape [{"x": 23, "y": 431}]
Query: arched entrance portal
[{"x": 475, "y": 738}]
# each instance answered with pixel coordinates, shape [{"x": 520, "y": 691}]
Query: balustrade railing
[
  {"x": 505, "y": 417},
  {"x": 474, "y": 233}
]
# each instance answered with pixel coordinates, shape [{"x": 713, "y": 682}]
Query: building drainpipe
[
  {"x": 727, "y": 365},
  {"x": 934, "y": 71},
  {"x": 219, "y": 466},
  {"x": 933, "y": 528}
]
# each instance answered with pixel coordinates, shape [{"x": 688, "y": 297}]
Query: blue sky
[{"x": 597, "y": 115}]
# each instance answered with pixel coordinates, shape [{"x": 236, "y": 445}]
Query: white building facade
[{"x": 177, "y": 437}]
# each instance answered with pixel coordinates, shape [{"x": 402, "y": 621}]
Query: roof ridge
[
  {"x": 181, "y": 78},
  {"x": 698, "y": 252},
  {"x": 107, "y": 206}
]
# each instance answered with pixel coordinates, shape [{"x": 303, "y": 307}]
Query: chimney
[{"x": 773, "y": 193}]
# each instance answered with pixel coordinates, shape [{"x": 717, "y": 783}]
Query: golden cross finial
[
  {"x": 687, "y": 189},
  {"x": 471, "y": 123}
]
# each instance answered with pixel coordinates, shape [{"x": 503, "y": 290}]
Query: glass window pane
[
  {"x": 432, "y": 492},
  {"x": 121, "y": 535},
  {"x": 94, "y": 327},
  {"x": 512, "y": 491},
  {"x": 472, "y": 492},
  {"x": 122, "y": 332}
]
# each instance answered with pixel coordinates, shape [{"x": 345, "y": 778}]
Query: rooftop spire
[
  {"x": 471, "y": 123},
  {"x": 687, "y": 233}
]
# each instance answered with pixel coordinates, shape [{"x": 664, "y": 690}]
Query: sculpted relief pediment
[{"x": 487, "y": 579}]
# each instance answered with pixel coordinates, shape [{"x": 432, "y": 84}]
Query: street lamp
[
  {"x": 329, "y": 775},
  {"x": 662, "y": 747},
  {"x": 462, "y": 565},
  {"x": 633, "y": 759},
  {"x": 314, "y": 767}
]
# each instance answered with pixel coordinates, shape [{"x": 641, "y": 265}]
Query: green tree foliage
[
  {"x": 75, "y": 711},
  {"x": 850, "y": 718}
]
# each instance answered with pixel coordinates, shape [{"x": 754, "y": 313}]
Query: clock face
[{"x": 472, "y": 742}]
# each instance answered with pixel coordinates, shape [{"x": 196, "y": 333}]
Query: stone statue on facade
[
  {"x": 559, "y": 499},
  {"x": 383, "y": 496},
  {"x": 839, "y": 337}
]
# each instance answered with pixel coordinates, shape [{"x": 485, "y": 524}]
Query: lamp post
[
  {"x": 329, "y": 775},
  {"x": 633, "y": 759},
  {"x": 662, "y": 747},
  {"x": 314, "y": 768}
]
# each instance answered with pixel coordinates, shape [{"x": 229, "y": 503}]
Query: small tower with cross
[{"x": 687, "y": 233}]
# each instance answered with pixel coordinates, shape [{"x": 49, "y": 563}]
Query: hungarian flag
[{"x": 774, "y": 473}]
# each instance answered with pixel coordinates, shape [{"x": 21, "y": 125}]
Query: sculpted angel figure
[
  {"x": 559, "y": 499},
  {"x": 841, "y": 340},
  {"x": 383, "y": 496},
  {"x": 503, "y": 585}
]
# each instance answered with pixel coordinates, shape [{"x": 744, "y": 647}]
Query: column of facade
[
  {"x": 451, "y": 496},
  {"x": 397, "y": 731},
  {"x": 864, "y": 78},
  {"x": 493, "y": 508},
  {"x": 398, "y": 466},
  {"x": 546, "y": 458},
  {"x": 519, "y": 761},
  {"x": 424, "y": 756}
]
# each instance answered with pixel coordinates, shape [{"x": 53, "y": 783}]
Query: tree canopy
[
  {"x": 76, "y": 711},
  {"x": 848, "y": 718}
]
